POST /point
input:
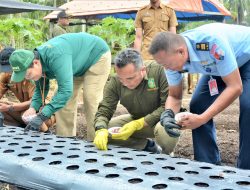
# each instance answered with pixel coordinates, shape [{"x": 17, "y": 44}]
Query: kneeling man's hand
[
  {"x": 36, "y": 123},
  {"x": 101, "y": 139},
  {"x": 128, "y": 129}
]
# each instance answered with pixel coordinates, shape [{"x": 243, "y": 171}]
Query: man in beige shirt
[{"x": 151, "y": 19}]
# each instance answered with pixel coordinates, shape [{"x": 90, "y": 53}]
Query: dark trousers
[{"x": 204, "y": 137}]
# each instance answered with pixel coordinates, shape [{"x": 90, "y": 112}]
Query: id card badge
[{"x": 213, "y": 88}]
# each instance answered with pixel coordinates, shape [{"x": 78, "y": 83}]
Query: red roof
[{"x": 81, "y": 8}]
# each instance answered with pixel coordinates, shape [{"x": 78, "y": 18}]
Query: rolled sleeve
[
  {"x": 138, "y": 21},
  {"x": 174, "y": 77},
  {"x": 172, "y": 20}
]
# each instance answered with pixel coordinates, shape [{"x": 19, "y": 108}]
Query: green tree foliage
[
  {"x": 41, "y": 2},
  {"x": 240, "y": 10},
  {"x": 27, "y": 29},
  {"x": 22, "y": 32},
  {"x": 118, "y": 33},
  {"x": 182, "y": 27}
]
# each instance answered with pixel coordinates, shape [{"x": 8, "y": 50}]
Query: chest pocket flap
[{"x": 164, "y": 17}]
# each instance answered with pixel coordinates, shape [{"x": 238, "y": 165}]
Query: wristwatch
[
  {"x": 98, "y": 127},
  {"x": 11, "y": 108}
]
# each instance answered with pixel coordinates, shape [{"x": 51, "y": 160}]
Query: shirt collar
[
  {"x": 150, "y": 6},
  {"x": 63, "y": 27}
]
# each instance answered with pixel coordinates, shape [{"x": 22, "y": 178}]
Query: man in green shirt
[
  {"x": 143, "y": 92},
  {"x": 75, "y": 60},
  {"x": 61, "y": 26}
]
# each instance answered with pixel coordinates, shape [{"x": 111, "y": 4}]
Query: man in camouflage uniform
[
  {"x": 61, "y": 26},
  {"x": 11, "y": 113},
  {"x": 151, "y": 19}
]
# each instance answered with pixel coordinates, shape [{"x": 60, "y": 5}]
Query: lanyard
[{"x": 43, "y": 90}]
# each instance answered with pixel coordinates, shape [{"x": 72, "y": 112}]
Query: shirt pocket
[
  {"x": 147, "y": 22},
  {"x": 164, "y": 21}
]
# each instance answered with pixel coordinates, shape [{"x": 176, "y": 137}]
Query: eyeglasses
[{"x": 4, "y": 61}]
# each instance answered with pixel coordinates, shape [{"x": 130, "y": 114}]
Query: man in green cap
[
  {"x": 11, "y": 112},
  {"x": 75, "y": 60}
]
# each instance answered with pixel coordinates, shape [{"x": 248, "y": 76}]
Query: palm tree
[{"x": 240, "y": 10}]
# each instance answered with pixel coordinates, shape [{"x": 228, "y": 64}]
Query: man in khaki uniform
[
  {"x": 142, "y": 90},
  {"x": 61, "y": 26},
  {"x": 151, "y": 19},
  {"x": 23, "y": 91}
]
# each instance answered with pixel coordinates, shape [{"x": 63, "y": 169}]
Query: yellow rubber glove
[
  {"x": 128, "y": 129},
  {"x": 101, "y": 139}
]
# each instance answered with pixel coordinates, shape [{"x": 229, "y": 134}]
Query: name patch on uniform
[
  {"x": 204, "y": 62},
  {"x": 202, "y": 46},
  {"x": 16, "y": 69},
  {"x": 151, "y": 83}
]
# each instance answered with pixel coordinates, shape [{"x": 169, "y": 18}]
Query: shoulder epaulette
[
  {"x": 168, "y": 6},
  {"x": 143, "y": 7}
]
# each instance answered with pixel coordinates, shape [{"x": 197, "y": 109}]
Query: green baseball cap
[{"x": 20, "y": 60}]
